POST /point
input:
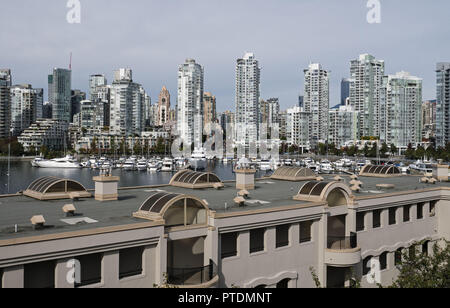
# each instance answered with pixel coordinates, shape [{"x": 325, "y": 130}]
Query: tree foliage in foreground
[{"x": 421, "y": 270}]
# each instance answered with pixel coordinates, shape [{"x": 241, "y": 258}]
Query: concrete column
[
  {"x": 294, "y": 234},
  {"x": 426, "y": 210},
  {"x": 399, "y": 215},
  {"x": 243, "y": 244},
  {"x": 369, "y": 220},
  {"x": 110, "y": 269},
  {"x": 270, "y": 239},
  {"x": 13, "y": 277},
  {"x": 161, "y": 260},
  {"x": 321, "y": 237},
  {"x": 61, "y": 273},
  {"x": 413, "y": 212},
  {"x": 384, "y": 218},
  {"x": 212, "y": 246},
  {"x": 350, "y": 222}
]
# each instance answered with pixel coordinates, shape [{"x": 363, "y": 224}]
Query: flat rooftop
[{"x": 92, "y": 214}]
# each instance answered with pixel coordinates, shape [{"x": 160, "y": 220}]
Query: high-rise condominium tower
[
  {"x": 401, "y": 110},
  {"x": 127, "y": 107},
  {"x": 366, "y": 80},
  {"x": 163, "y": 107},
  {"x": 247, "y": 100},
  {"x": 190, "y": 103},
  {"x": 345, "y": 91},
  {"x": 209, "y": 108},
  {"x": 26, "y": 107},
  {"x": 317, "y": 102},
  {"x": 60, "y": 94},
  {"x": 96, "y": 81},
  {"x": 443, "y": 104},
  {"x": 5, "y": 102},
  {"x": 270, "y": 110}
]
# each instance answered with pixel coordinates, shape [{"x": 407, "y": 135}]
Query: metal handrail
[
  {"x": 342, "y": 242},
  {"x": 191, "y": 276}
]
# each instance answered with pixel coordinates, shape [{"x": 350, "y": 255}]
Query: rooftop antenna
[{"x": 70, "y": 63}]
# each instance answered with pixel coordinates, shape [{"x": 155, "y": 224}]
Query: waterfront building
[
  {"x": 190, "y": 103},
  {"x": 152, "y": 236},
  {"x": 297, "y": 127},
  {"x": 60, "y": 94},
  {"x": 442, "y": 104},
  {"x": 343, "y": 126},
  {"x": 5, "y": 102},
  {"x": 317, "y": 102},
  {"x": 401, "y": 110},
  {"x": 365, "y": 83},
  {"x": 127, "y": 105},
  {"x": 247, "y": 100},
  {"x": 44, "y": 132},
  {"x": 26, "y": 107}
]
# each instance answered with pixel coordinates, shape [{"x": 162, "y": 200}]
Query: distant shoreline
[{"x": 17, "y": 158}]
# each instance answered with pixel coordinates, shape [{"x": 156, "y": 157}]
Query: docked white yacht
[
  {"x": 35, "y": 161},
  {"x": 168, "y": 165},
  {"x": 129, "y": 165},
  {"x": 67, "y": 162},
  {"x": 198, "y": 159},
  {"x": 141, "y": 165},
  {"x": 154, "y": 166}
]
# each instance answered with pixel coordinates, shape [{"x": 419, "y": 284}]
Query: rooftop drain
[
  {"x": 53, "y": 188},
  {"x": 380, "y": 171},
  {"x": 196, "y": 180},
  {"x": 293, "y": 174}
]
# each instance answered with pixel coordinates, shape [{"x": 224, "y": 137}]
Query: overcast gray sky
[{"x": 154, "y": 37}]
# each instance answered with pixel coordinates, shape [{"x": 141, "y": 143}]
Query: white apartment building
[
  {"x": 343, "y": 126},
  {"x": 44, "y": 132},
  {"x": 201, "y": 238},
  {"x": 190, "y": 103},
  {"x": 401, "y": 110},
  {"x": 127, "y": 105},
  {"x": 26, "y": 107},
  {"x": 297, "y": 127},
  {"x": 247, "y": 100},
  {"x": 365, "y": 83},
  {"x": 106, "y": 141},
  {"x": 317, "y": 102}
]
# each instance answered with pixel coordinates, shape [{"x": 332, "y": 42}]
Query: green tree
[
  {"x": 421, "y": 270},
  {"x": 394, "y": 149},
  {"x": 384, "y": 149}
]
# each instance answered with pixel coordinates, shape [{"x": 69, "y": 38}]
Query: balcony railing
[
  {"x": 342, "y": 242},
  {"x": 191, "y": 276}
]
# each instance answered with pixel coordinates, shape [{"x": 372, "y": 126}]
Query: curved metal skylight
[{"x": 286, "y": 173}]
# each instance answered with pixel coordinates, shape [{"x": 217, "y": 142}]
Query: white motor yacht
[
  {"x": 141, "y": 165},
  {"x": 198, "y": 159},
  {"x": 168, "y": 165},
  {"x": 67, "y": 162}
]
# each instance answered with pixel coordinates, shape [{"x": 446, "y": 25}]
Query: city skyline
[{"x": 145, "y": 50}]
